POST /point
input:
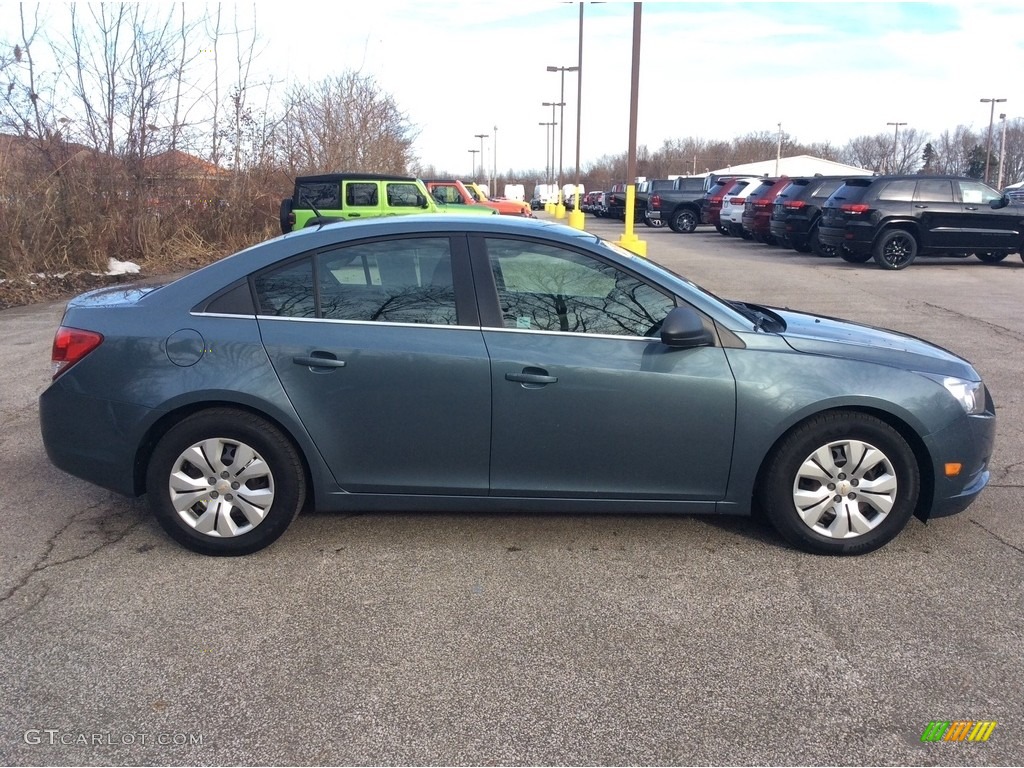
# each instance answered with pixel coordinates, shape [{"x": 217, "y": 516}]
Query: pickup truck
[
  {"x": 644, "y": 190},
  {"x": 679, "y": 207}
]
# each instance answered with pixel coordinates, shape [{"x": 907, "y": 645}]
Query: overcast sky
[{"x": 825, "y": 70}]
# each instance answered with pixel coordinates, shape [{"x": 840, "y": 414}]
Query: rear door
[
  {"x": 938, "y": 214},
  {"x": 362, "y": 199},
  {"x": 378, "y": 347}
]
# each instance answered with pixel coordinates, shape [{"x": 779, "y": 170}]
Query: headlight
[{"x": 970, "y": 394}]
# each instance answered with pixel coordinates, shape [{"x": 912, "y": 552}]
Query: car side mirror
[
  {"x": 422, "y": 201},
  {"x": 683, "y": 328},
  {"x": 998, "y": 203}
]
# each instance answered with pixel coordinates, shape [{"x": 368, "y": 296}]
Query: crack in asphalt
[
  {"x": 999, "y": 329},
  {"x": 41, "y": 564},
  {"x": 998, "y": 538}
]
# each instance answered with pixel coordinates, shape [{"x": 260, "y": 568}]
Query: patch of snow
[{"x": 115, "y": 267}]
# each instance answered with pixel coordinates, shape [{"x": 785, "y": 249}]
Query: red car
[{"x": 757, "y": 211}]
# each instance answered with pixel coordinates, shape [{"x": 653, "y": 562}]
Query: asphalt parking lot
[{"x": 526, "y": 639}]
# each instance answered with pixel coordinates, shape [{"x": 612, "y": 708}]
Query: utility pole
[
  {"x": 1002, "y": 152},
  {"x": 895, "y": 144},
  {"x": 991, "y": 119}
]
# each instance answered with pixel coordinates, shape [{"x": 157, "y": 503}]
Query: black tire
[
  {"x": 828, "y": 445},
  {"x": 991, "y": 257},
  {"x": 683, "y": 221},
  {"x": 895, "y": 249},
  {"x": 722, "y": 230},
  {"x": 203, "y": 448},
  {"x": 286, "y": 215},
  {"x": 819, "y": 248}
]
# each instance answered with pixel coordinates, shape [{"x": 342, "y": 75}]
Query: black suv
[
  {"x": 797, "y": 210},
  {"x": 896, "y": 218}
]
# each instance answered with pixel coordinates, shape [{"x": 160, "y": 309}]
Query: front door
[{"x": 587, "y": 402}]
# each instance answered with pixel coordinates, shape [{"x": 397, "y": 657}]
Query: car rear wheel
[
  {"x": 895, "y": 249},
  {"x": 722, "y": 230},
  {"x": 991, "y": 257},
  {"x": 820, "y": 249},
  {"x": 840, "y": 484},
  {"x": 683, "y": 221},
  {"x": 225, "y": 482}
]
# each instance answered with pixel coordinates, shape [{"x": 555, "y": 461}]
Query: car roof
[{"x": 335, "y": 177}]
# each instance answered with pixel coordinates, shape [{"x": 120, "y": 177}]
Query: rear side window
[
  {"x": 901, "y": 191},
  {"x": 319, "y": 195},
  {"x": 761, "y": 188},
  {"x": 400, "y": 281},
  {"x": 361, "y": 194},
  {"x": 287, "y": 291},
  {"x": 934, "y": 191}
]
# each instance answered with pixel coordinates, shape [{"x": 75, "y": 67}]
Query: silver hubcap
[
  {"x": 221, "y": 487},
  {"x": 845, "y": 489}
]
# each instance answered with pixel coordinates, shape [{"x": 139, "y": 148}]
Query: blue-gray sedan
[{"x": 450, "y": 363}]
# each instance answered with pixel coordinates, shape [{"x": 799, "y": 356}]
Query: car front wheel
[
  {"x": 991, "y": 257},
  {"x": 841, "y": 484},
  {"x": 225, "y": 482},
  {"x": 895, "y": 249}
]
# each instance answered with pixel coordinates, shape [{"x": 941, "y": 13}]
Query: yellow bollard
[{"x": 629, "y": 240}]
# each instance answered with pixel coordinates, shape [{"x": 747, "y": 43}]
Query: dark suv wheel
[{"x": 895, "y": 249}]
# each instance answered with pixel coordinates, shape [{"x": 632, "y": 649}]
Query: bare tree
[{"x": 346, "y": 123}]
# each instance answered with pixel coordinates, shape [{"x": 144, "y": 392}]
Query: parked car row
[{"x": 892, "y": 219}]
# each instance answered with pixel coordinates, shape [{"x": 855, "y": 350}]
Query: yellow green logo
[{"x": 958, "y": 730}]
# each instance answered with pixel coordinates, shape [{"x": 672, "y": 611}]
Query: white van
[
  {"x": 515, "y": 192},
  {"x": 544, "y": 194},
  {"x": 569, "y": 192}
]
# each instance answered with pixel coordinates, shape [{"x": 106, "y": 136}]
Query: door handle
[
  {"x": 535, "y": 376},
  {"x": 315, "y": 361},
  {"x": 970, "y": 207},
  {"x": 920, "y": 206}
]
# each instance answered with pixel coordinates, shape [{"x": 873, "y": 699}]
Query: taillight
[
  {"x": 762, "y": 203},
  {"x": 794, "y": 205},
  {"x": 854, "y": 208},
  {"x": 737, "y": 201},
  {"x": 70, "y": 345},
  {"x": 656, "y": 202}
]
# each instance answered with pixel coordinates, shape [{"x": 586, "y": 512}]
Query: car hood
[{"x": 819, "y": 335}]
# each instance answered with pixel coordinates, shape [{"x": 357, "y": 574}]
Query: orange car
[{"x": 504, "y": 207}]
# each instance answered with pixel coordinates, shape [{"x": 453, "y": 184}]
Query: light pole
[
  {"x": 576, "y": 218},
  {"x": 629, "y": 240},
  {"x": 991, "y": 119},
  {"x": 778, "y": 153},
  {"x": 1002, "y": 152},
  {"x": 482, "y": 136},
  {"x": 551, "y": 206},
  {"x": 494, "y": 159},
  {"x": 560, "y": 207},
  {"x": 547, "y": 150},
  {"x": 895, "y": 144},
  {"x": 473, "y": 153}
]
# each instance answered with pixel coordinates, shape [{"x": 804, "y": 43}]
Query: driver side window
[{"x": 546, "y": 288}]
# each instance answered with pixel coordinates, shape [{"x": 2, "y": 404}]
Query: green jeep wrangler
[{"x": 342, "y": 196}]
